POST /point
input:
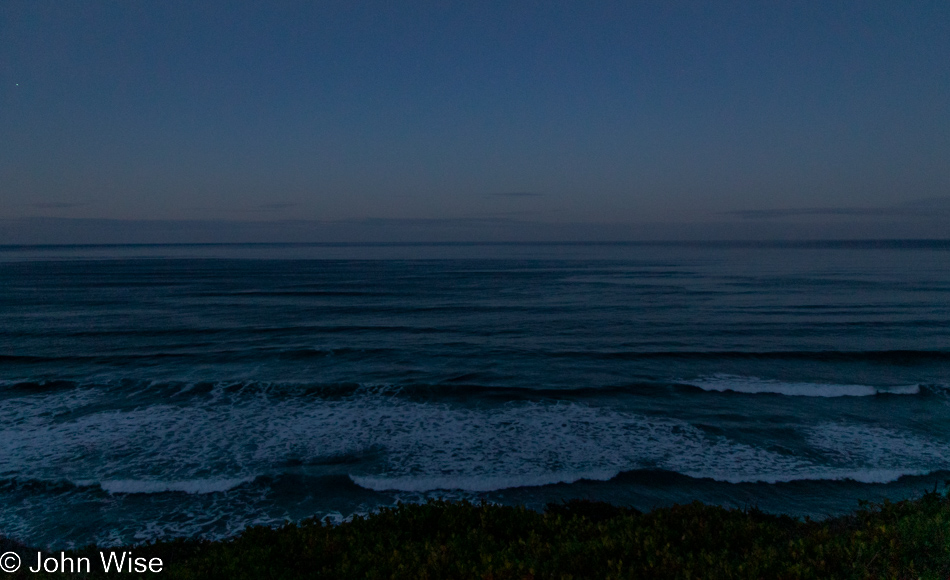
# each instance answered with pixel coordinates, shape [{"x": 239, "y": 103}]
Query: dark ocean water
[{"x": 150, "y": 392}]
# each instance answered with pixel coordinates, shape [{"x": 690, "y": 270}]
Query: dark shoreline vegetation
[{"x": 577, "y": 539}]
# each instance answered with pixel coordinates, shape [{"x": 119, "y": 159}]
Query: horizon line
[{"x": 816, "y": 242}]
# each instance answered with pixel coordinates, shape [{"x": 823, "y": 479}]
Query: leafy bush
[{"x": 579, "y": 539}]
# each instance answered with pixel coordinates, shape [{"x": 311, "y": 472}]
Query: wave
[
  {"x": 126, "y": 486},
  {"x": 382, "y": 483},
  {"x": 194, "y": 486},
  {"x": 392, "y": 442},
  {"x": 195, "y": 356},
  {"x": 901, "y": 357},
  {"x": 489, "y": 484},
  {"x": 37, "y": 386},
  {"x": 50, "y": 486},
  {"x": 476, "y": 385},
  {"x": 755, "y": 385},
  {"x": 475, "y": 483},
  {"x": 890, "y": 356}
]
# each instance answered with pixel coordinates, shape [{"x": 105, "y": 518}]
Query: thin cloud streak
[
  {"x": 811, "y": 211},
  {"x": 104, "y": 231},
  {"x": 57, "y": 205},
  {"x": 275, "y": 206},
  {"x": 928, "y": 207},
  {"x": 426, "y": 222},
  {"x": 517, "y": 194}
]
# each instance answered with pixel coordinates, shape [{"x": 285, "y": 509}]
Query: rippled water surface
[{"x": 193, "y": 390}]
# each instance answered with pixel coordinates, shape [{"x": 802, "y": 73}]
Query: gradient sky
[{"x": 424, "y": 112}]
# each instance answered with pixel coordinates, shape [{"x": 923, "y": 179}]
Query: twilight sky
[{"x": 424, "y": 120}]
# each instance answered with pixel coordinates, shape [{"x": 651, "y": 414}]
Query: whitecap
[{"x": 755, "y": 385}]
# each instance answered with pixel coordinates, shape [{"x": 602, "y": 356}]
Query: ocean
[{"x": 152, "y": 392}]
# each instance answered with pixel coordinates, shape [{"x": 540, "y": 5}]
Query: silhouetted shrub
[{"x": 578, "y": 539}]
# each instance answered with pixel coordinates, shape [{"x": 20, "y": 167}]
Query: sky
[{"x": 350, "y": 121}]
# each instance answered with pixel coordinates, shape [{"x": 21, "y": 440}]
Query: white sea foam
[
  {"x": 863, "y": 445},
  {"x": 754, "y": 385},
  {"x": 416, "y": 445}
]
